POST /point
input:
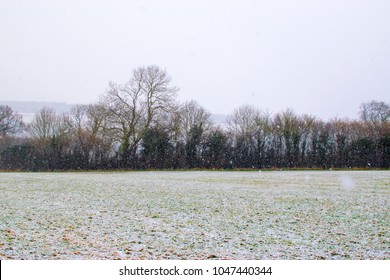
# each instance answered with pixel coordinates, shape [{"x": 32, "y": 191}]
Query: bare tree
[
  {"x": 10, "y": 121},
  {"x": 263, "y": 138},
  {"x": 188, "y": 125},
  {"x": 376, "y": 118},
  {"x": 243, "y": 120},
  {"x": 375, "y": 112},
  {"x": 47, "y": 125},
  {"x": 132, "y": 107},
  {"x": 243, "y": 125},
  {"x": 91, "y": 142},
  {"x": 44, "y": 124},
  {"x": 308, "y": 123},
  {"x": 193, "y": 114},
  {"x": 289, "y": 129},
  {"x": 51, "y": 136}
]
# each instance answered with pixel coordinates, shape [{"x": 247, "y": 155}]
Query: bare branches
[
  {"x": 138, "y": 124},
  {"x": 10, "y": 121},
  {"x": 374, "y": 112},
  {"x": 192, "y": 114},
  {"x": 243, "y": 120},
  {"x": 43, "y": 124},
  {"x": 132, "y": 107}
]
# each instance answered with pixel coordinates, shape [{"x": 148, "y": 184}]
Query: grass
[{"x": 195, "y": 215}]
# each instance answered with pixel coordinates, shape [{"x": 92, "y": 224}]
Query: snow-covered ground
[{"x": 195, "y": 215}]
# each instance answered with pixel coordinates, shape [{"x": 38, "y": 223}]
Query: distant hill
[
  {"x": 33, "y": 107},
  {"x": 28, "y": 108}
]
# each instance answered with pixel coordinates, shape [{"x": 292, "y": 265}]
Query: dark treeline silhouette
[{"x": 139, "y": 125}]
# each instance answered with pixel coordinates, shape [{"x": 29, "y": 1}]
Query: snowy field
[{"x": 195, "y": 215}]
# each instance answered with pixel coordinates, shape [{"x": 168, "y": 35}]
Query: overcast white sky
[{"x": 318, "y": 57}]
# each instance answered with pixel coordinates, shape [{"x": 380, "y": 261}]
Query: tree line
[{"x": 140, "y": 125}]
